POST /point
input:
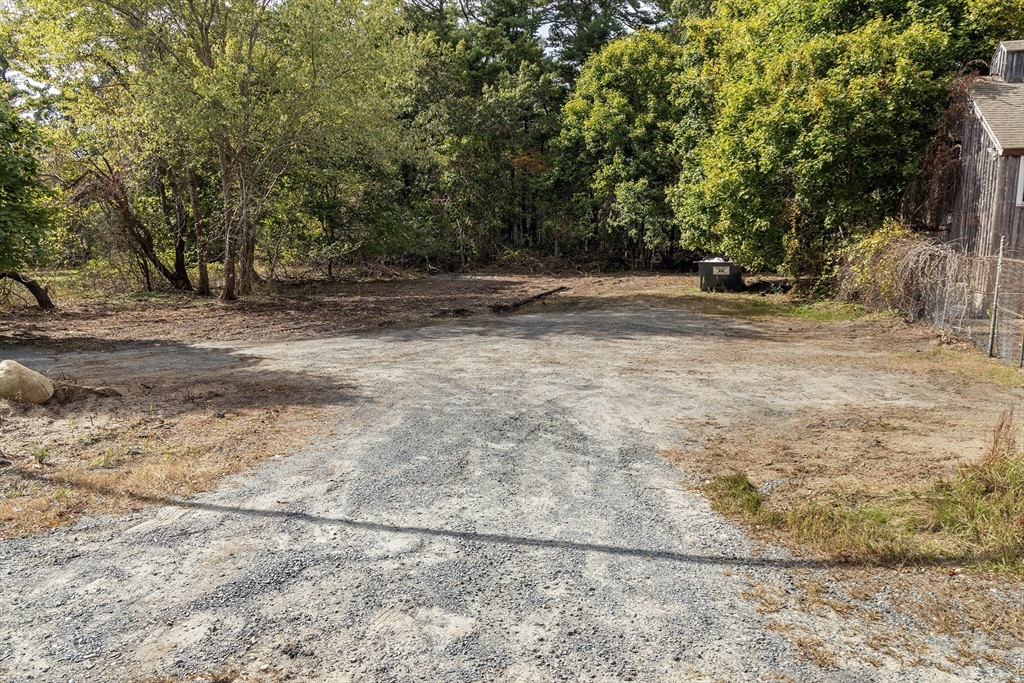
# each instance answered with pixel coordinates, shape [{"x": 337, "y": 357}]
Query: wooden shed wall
[
  {"x": 985, "y": 207},
  {"x": 1007, "y": 217},
  {"x": 1009, "y": 65}
]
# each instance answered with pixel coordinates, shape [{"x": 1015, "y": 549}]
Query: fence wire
[{"x": 975, "y": 299}]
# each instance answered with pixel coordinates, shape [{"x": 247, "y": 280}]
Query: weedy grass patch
[
  {"x": 974, "y": 518},
  {"x": 749, "y": 304},
  {"x": 969, "y": 364}
]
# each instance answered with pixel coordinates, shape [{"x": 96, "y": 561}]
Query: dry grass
[
  {"x": 947, "y": 557},
  {"x": 132, "y": 451},
  {"x": 779, "y": 626},
  {"x": 810, "y": 646},
  {"x": 814, "y": 595},
  {"x": 966, "y": 603},
  {"x": 292, "y": 310},
  {"x": 684, "y": 292},
  {"x": 813, "y": 649},
  {"x": 769, "y": 601},
  {"x": 964, "y": 360},
  {"x": 42, "y": 497},
  {"x": 220, "y": 675},
  {"x": 881, "y": 614},
  {"x": 974, "y": 518},
  {"x": 817, "y": 450},
  {"x": 984, "y": 503}
]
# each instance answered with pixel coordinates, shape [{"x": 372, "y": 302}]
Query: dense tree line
[{"x": 172, "y": 138}]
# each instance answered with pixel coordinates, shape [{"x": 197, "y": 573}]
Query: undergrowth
[{"x": 974, "y": 518}]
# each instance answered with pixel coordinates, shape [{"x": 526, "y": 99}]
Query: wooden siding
[
  {"x": 985, "y": 206},
  {"x": 1008, "y": 61}
]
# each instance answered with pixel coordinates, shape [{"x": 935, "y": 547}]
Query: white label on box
[{"x": 720, "y": 270}]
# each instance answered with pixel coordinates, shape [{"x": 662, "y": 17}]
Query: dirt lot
[
  {"x": 582, "y": 390},
  {"x": 175, "y": 432},
  {"x": 172, "y": 431}
]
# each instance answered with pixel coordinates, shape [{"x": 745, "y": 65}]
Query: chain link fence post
[{"x": 995, "y": 299}]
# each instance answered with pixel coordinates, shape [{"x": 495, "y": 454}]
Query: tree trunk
[
  {"x": 247, "y": 276},
  {"x": 203, "y": 286},
  {"x": 181, "y": 229},
  {"x": 115, "y": 199},
  {"x": 462, "y": 243},
  {"x": 41, "y": 294},
  {"x": 228, "y": 293},
  {"x": 144, "y": 267},
  {"x": 175, "y": 219},
  {"x": 144, "y": 239}
]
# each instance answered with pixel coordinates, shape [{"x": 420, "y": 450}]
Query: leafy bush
[{"x": 23, "y": 216}]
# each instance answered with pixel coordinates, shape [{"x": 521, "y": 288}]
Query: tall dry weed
[{"x": 983, "y": 504}]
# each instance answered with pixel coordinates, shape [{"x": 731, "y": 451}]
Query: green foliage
[
  {"x": 984, "y": 503},
  {"x": 578, "y": 29},
  {"x": 244, "y": 95},
  {"x": 616, "y": 143},
  {"x": 322, "y": 131},
  {"x": 865, "y": 259},
  {"x": 23, "y": 214},
  {"x": 815, "y": 131},
  {"x": 485, "y": 126},
  {"x": 735, "y": 494},
  {"x": 989, "y": 21}
]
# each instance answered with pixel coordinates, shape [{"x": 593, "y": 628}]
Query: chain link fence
[
  {"x": 976, "y": 299},
  {"x": 980, "y": 299}
]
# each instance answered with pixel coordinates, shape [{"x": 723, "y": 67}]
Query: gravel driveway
[{"x": 490, "y": 507}]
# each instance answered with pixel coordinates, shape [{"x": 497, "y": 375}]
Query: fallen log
[{"x": 508, "y": 308}]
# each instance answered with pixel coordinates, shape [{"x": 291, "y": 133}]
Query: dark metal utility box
[{"x": 720, "y": 276}]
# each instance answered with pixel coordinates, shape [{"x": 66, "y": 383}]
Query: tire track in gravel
[{"x": 493, "y": 510}]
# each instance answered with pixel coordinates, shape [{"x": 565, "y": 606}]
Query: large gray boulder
[{"x": 18, "y": 383}]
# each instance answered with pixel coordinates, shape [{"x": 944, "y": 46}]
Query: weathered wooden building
[{"x": 980, "y": 185}]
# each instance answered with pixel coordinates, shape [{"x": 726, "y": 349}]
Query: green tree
[
  {"x": 989, "y": 21},
  {"x": 814, "y": 133},
  {"x": 617, "y": 144},
  {"x": 578, "y": 29},
  {"x": 23, "y": 215},
  {"x": 156, "y": 91},
  {"x": 485, "y": 109}
]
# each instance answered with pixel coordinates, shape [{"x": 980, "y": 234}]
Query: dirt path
[{"x": 491, "y": 507}]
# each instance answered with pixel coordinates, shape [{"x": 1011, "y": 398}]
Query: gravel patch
[{"x": 492, "y": 509}]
